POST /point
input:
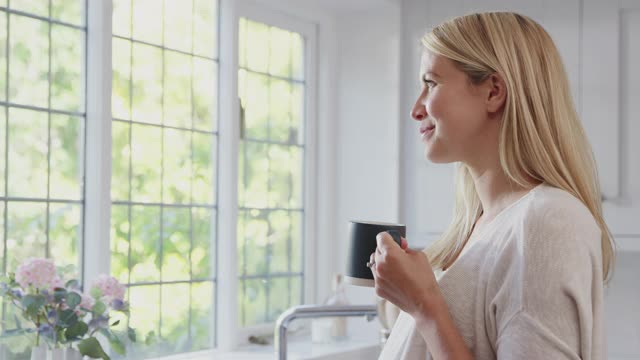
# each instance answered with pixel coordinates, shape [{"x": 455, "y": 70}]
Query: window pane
[
  {"x": 3, "y": 55},
  {"x": 69, "y": 11},
  {"x": 146, "y": 162},
  {"x": 176, "y": 244},
  {"x": 256, "y": 241},
  {"x": 297, "y": 239},
  {"x": 253, "y": 302},
  {"x": 26, "y": 234},
  {"x": 204, "y": 167},
  {"x": 147, "y": 84},
  {"x": 120, "y": 228},
  {"x": 121, "y": 18},
  {"x": 205, "y": 96},
  {"x": 67, "y": 57},
  {"x": 121, "y": 160},
  {"x": 257, "y": 50},
  {"x": 205, "y": 29},
  {"x": 256, "y": 174},
  {"x": 202, "y": 315},
  {"x": 145, "y": 244},
  {"x": 176, "y": 302},
  {"x": 145, "y": 309},
  {"x": 28, "y": 61},
  {"x": 203, "y": 256},
  {"x": 147, "y": 21},
  {"x": 280, "y": 52},
  {"x": 280, "y": 181},
  {"x": 3, "y": 151},
  {"x": 280, "y": 242},
  {"x": 280, "y": 111},
  {"x": 28, "y": 148},
  {"x": 178, "y": 24},
  {"x": 177, "y": 89},
  {"x": 177, "y": 166},
  {"x": 297, "y": 56},
  {"x": 67, "y": 148},
  {"x": 279, "y": 297},
  {"x": 121, "y": 84},
  {"x": 65, "y": 232},
  {"x": 256, "y": 104}
]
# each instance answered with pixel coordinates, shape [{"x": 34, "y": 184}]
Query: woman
[{"x": 520, "y": 270}]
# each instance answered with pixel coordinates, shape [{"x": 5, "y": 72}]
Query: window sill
[{"x": 363, "y": 345}]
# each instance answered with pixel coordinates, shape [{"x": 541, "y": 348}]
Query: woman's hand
[{"x": 403, "y": 276}]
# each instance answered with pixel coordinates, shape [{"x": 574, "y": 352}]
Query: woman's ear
[{"x": 497, "y": 93}]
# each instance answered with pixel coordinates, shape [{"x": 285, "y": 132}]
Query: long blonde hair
[{"x": 541, "y": 136}]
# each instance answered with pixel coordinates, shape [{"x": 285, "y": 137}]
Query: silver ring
[{"x": 370, "y": 264}]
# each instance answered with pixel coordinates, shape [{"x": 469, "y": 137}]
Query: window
[
  {"x": 164, "y": 148},
  {"x": 271, "y": 171},
  {"x": 42, "y": 132}
]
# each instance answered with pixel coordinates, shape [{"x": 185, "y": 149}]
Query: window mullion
[
  {"x": 229, "y": 134},
  {"x": 97, "y": 184}
]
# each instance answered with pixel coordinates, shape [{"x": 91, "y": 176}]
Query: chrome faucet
[{"x": 314, "y": 311}]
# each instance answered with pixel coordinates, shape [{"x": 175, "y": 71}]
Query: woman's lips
[{"x": 427, "y": 131}]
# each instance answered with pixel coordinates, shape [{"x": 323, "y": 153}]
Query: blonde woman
[{"x": 519, "y": 274}]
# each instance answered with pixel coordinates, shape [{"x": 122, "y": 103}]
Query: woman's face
[{"x": 454, "y": 122}]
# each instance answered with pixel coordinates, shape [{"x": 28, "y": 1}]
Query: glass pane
[
  {"x": 29, "y": 61},
  {"x": 256, "y": 106},
  {"x": 256, "y": 241},
  {"x": 297, "y": 115},
  {"x": 147, "y": 21},
  {"x": 205, "y": 94},
  {"x": 296, "y": 156},
  {"x": 176, "y": 244},
  {"x": 66, "y": 68},
  {"x": 120, "y": 243},
  {"x": 253, "y": 302},
  {"x": 205, "y": 28},
  {"x": 67, "y": 149},
  {"x": 296, "y": 295},
  {"x": 279, "y": 297},
  {"x": 280, "y": 52},
  {"x": 121, "y": 85},
  {"x": 145, "y": 309},
  {"x": 297, "y": 56},
  {"x": 69, "y": 11},
  {"x": 176, "y": 188},
  {"x": 241, "y": 242},
  {"x": 26, "y": 236},
  {"x": 242, "y": 44},
  {"x": 3, "y": 150},
  {"x": 202, "y": 315},
  {"x": 27, "y": 153},
  {"x": 256, "y": 175},
  {"x": 146, "y": 143},
  {"x": 145, "y": 244},
  {"x": 120, "y": 160},
  {"x": 35, "y": 7},
  {"x": 204, "y": 167},
  {"x": 279, "y": 176},
  {"x": 280, "y": 111},
  {"x": 3, "y": 55},
  {"x": 175, "y": 316},
  {"x": 2, "y": 204},
  {"x": 297, "y": 237},
  {"x": 280, "y": 241},
  {"x": 65, "y": 232},
  {"x": 121, "y": 19},
  {"x": 203, "y": 255},
  {"x": 177, "y": 89},
  {"x": 178, "y": 24},
  {"x": 147, "y": 84},
  {"x": 257, "y": 41}
]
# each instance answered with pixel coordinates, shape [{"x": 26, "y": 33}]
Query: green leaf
[
  {"x": 74, "y": 284},
  {"x": 99, "y": 308},
  {"x": 96, "y": 293},
  {"x": 68, "y": 318},
  {"x": 115, "y": 323},
  {"x": 76, "y": 331},
  {"x": 33, "y": 304},
  {"x": 59, "y": 294},
  {"x": 116, "y": 344},
  {"x": 73, "y": 300},
  {"x": 132, "y": 334},
  {"x": 91, "y": 347},
  {"x": 151, "y": 338}
]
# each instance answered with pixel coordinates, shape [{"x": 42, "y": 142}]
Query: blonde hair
[{"x": 541, "y": 136}]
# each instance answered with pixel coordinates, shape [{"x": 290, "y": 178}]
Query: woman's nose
[{"x": 419, "y": 111}]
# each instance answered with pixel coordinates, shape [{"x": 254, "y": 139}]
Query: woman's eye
[{"x": 429, "y": 83}]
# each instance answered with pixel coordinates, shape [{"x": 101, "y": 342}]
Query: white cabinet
[{"x": 611, "y": 109}]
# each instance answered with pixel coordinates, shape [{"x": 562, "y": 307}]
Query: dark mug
[{"x": 362, "y": 243}]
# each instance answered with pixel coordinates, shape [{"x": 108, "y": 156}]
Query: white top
[{"x": 528, "y": 286}]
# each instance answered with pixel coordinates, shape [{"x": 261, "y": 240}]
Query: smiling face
[{"x": 455, "y": 122}]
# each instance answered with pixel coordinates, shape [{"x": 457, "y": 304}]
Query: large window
[
  {"x": 164, "y": 147},
  {"x": 42, "y": 131},
  {"x": 271, "y": 171}
]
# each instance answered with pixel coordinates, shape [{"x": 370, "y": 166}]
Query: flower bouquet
[{"x": 60, "y": 316}]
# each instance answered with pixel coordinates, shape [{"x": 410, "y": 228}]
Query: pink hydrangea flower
[
  {"x": 86, "y": 302},
  {"x": 56, "y": 282},
  {"x": 110, "y": 288},
  {"x": 37, "y": 272}
]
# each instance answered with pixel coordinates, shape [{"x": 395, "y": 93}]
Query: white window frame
[
  {"x": 96, "y": 246},
  {"x": 230, "y": 335}
]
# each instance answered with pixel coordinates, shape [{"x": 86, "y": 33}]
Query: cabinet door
[{"x": 611, "y": 109}]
